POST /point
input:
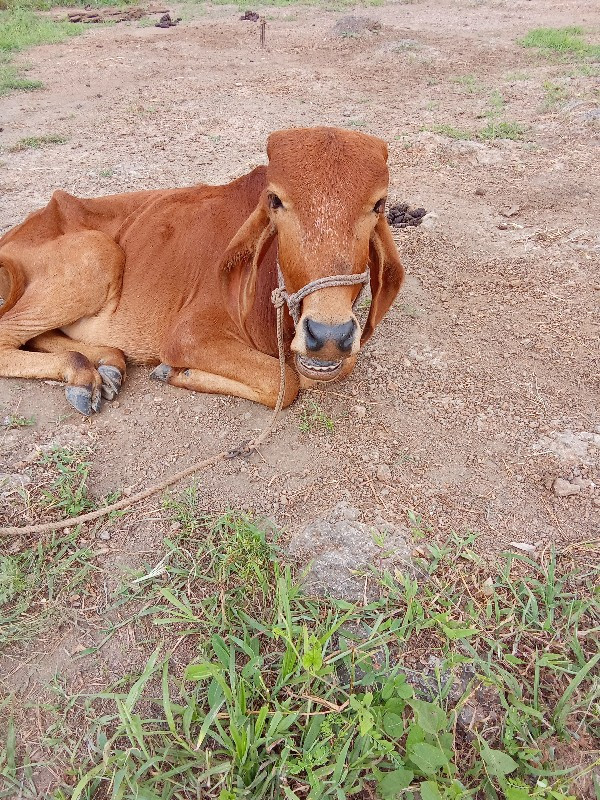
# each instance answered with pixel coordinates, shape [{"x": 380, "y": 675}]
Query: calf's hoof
[
  {"x": 161, "y": 373},
  {"x": 111, "y": 381},
  {"x": 83, "y": 399}
]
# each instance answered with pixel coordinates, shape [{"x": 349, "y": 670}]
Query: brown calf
[{"x": 182, "y": 278}]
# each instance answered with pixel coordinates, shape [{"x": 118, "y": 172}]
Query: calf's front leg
[{"x": 232, "y": 368}]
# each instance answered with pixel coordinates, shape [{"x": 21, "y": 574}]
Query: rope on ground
[{"x": 242, "y": 449}]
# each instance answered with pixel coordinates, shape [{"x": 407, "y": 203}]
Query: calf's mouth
[{"x": 317, "y": 368}]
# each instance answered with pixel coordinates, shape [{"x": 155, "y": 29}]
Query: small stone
[
  {"x": 430, "y": 220},
  {"x": 127, "y": 491},
  {"x": 487, "y": 587},
  {"x": 359, "y": 411},
  {"x": 584, "y": 483},
  {"x": 479, "y": 192},
  {"x": 563, "y": 488},
  {"x": 511, "y": 211},
  {"x": 13, "y": 482},
  {"x": 384, "y": 473},
  {"x": 104, "y": 535},
  {"x": 503, "y": 226}
]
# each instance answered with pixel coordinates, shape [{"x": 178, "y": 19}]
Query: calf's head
[{"x": 324, "y": 200}]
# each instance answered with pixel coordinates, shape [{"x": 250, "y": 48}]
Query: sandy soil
[
  {"x": 463, "y": 402},
  {"x": 481, "y": 386}
]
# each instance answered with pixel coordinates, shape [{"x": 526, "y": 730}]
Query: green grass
[
  {"x": 313, "y": 418},
  {"x": 10, "y": 80},
  {"x": 568, "y": 41},
  {"x": 17, "y": 421},
  {"x": 333, "y": 5},
  {"x": 451, "y": 132},
  {"x": 470, "y": 83},
  {"x": 495, "y": 129},
  {"x": 47, "y": 5},
  {"x": 68, "y": 492},
  {"x": 502, "y": 130},
  {"x": 555, "y": 94},
  {"x": 37, "y": 142},
  {"x": 20, "y": 29},
  {"x": 293, "y": 697},
  {"x": 40, "y": 585}
]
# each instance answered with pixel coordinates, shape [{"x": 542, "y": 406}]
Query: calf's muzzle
[{"x": 318, "y": 335}]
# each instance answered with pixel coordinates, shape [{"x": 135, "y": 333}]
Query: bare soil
[{"x": 481, "y": 386}]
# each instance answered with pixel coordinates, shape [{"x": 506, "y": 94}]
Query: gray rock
[
  {"x": 570, "y": 448},
  {"x": 384, "y": 473},
  {"x": 430, "y": 220},
  {"x": 11, "y": 482},
  {"x": 355, "y": 26},
  {"x": 563, "y": 488},
  {"x": 340, "y": 550}
]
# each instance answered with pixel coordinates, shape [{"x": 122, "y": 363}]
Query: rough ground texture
[
  {"x": 479, "y": 390},
  {"x": 340, "y": 546}
]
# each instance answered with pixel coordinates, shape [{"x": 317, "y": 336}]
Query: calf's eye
[
  {"x": 379, "y": 206},
  {"x": 275, "y": 202}
]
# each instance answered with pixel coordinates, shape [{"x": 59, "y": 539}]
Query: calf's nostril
[
  {"x": 317, "y": 335},
  {"x": 344, "y": 337}
]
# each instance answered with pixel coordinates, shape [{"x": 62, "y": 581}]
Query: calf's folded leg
[
  {"x": 63, "y": 280},
  {"x": 109, "y": 361},
  {"x": 232, "y": 368}
]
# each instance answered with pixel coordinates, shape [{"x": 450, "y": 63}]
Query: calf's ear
[
  {"x": 240, "y": 262},
  {"x": 387, "y": 274}
]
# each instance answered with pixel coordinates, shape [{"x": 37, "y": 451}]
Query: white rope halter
[{"x": 280, "y": 295}]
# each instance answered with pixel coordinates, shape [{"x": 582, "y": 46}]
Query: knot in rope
[{"x": 278, "y": 297}]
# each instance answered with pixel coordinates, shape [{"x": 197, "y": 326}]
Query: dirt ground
[{"x": 481, "y": 386}]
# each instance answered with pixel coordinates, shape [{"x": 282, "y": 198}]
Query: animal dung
[
  {"x": 167, "y": 22},
  {"x": 400, "y": 215}
]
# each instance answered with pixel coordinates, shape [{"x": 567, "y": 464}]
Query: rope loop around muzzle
[{"x": 280, "y": 295}]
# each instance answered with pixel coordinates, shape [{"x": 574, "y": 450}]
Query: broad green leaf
[
  {"x": 405, "y": 691},
  {"x": 428, "y": 758},
  {"x": 415, "y": 734},
  {"x": 459, "y": 633},
  {"x": 388, "y": 690},
  {"x": 312, "y": 733},
  {"x": 220, "y": 648},
  {"x": 312, "y": 659},
  {"x": 395, "y": 705},
  {"x": 429, "y": 716},
  {"x": 393, "y": 725},
  {"x": 260, "y": 721},
  {"x": 394, "y": 782},
  {"x": 200, "y": 672},
  {"x": 515, "y": 793},
  {"x": 498, "y": 763},
  {"x": 430, "y": 791}
]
